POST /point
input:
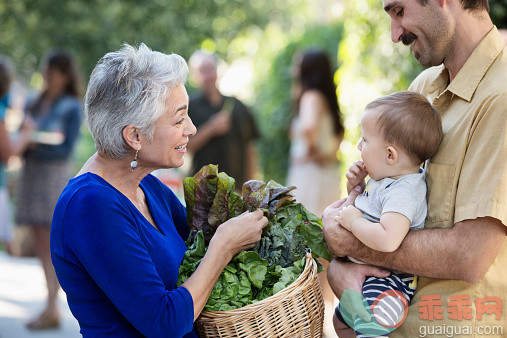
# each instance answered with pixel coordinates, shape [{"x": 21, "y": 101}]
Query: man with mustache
[{"x": 460, "y": 256}]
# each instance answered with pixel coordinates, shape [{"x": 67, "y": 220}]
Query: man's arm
[{"x": 464, "y": 252}]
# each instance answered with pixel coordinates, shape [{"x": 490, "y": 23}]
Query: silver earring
[{"x": 134, "y": 163}]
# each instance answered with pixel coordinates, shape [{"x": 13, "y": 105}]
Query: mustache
[{"x": 408, "y": 38}]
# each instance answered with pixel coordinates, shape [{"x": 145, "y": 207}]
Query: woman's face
[
  {"x": 55, "y": 79},
  {"x": 172, "y": 131}
]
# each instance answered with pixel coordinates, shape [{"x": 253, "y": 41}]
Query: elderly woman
[{"x": 118, "y": 233}]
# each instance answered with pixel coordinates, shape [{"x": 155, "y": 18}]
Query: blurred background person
[
  {"x": 57, "y": 113},
  {"x": 226, "y": 127},
  {"x": 316, "y": 132},
  {"x": 7, "y": 149}
]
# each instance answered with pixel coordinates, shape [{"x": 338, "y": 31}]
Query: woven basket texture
[{"x": 296, "y": 311}]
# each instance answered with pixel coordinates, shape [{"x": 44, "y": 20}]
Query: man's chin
[
  {"x": 422, "y": 61},
  {"x": 425, "y": 62},
  {"x": 417, "y": 55}
]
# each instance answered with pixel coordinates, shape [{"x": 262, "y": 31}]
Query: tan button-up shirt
[{"x": 466, "y": 179}]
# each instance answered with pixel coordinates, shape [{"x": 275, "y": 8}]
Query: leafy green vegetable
[
  {"x": 255, "y": 267},
  {"x": 289, "y": 275},
  {"x": 192, "y": 258},
  {"x": 227, "y": 202},
  {"x": 270, "y": 196},
  {"x": 275, "y": 262}
]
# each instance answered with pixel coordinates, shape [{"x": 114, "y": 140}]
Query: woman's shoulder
[
  {"x": 69, "y": 103},
  {"x": 70, "y": 99},
  {"x": 86, "y": 199},
  {"x": 89, "y": 188}
]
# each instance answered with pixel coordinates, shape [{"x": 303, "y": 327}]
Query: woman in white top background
[{"x": 316, "y": 133}]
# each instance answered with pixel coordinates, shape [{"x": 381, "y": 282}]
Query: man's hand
[
  {"x": 348, "y": 275},
  {"x": 220, "y": 123},
  {"x": 336, "y": 236},
  {"x": 347, "y": 216},
  {"x": 356, "y": 175}
]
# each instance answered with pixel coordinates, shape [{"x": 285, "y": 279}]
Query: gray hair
[{"x": 127, "y": 87}]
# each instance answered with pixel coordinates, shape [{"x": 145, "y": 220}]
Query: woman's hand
[{"x": 240, "y": 233}]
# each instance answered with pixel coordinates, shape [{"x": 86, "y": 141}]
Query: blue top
[
  {"x": 4, "y": 103},
  {"x": 64, "y": 116},
  {"x": 118, "y": 271}
]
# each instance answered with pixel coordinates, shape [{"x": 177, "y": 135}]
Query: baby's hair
[{"x": 408, "y": 120}]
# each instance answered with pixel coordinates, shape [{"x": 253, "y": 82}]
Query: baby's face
[{"x": 373, "y": 146}]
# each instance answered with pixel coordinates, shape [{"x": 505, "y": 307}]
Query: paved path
[{"x": 23, "y": 296}]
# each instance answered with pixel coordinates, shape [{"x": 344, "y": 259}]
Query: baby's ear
[{"x": 392, "y": 155}]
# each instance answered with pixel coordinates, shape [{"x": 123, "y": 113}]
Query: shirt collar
[{"x": 470, "y": 75}]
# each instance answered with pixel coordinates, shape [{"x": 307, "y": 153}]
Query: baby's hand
[
  {"x": 347, "y": 216},
  {"x": 356, "y": 175}
]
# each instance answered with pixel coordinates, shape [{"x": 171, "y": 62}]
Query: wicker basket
[{"x": 296, "y": 311}]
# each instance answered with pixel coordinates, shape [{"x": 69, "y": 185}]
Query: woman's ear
[
  {"x": 132, "y": 137},
  {"x": 392, "y": 155}
]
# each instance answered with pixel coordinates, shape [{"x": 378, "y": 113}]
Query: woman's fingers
[{"x": 258, "y": 214}]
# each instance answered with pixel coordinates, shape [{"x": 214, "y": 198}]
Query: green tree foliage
[
  {"x": 371, "y": 66},
  {"x": 498, "y": 12},
  {"x": 90, "y": 28},
  {"x": 274, "y": 108}
]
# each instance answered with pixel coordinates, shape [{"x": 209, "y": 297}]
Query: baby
[{"x": 400, "y": 132}]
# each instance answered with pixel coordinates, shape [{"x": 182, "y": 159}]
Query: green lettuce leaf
[
  {"x": 254, "y": 266},
  {"x": 192, "y": 258},
  {"x": 289, "y": 275}
]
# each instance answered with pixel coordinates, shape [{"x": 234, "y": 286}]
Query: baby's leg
[
  {"x": 341, "y": 328},
  {"x": 389, "y": 298}
]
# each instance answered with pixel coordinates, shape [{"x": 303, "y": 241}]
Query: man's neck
[{"x": 471, "y": 28}]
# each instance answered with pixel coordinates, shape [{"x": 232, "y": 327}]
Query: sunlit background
[{"x": 255, "y": 41}]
